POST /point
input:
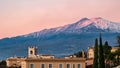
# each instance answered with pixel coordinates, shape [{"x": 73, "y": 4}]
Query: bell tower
[{"x": 32, "y": 51}]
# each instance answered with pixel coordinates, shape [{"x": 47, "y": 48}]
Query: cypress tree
[
  {"x": 101, "y": 56},
  {"x": 118, "y": 40},
  {"x": 95, "y": 61},
  {"x": 118, "y": 50},
  {"x": 107, "y": 54},
  {"x": 107, "y": 50}
]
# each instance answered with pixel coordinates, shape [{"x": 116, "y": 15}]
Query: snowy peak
[
  {"x": 101, "y": 23},
  {"x": 97, "y": 24},
  {"x": 105, "y": 24},
  {"x": 98, "y": 21},
  {"x": 82, "y": 20},
  {"x": 85, "y": 22},
  {"x": 96, "y": 18}
]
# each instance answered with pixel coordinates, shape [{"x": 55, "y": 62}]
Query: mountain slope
[
  {"x": 84, "y": 25},
  {"x": 63, "y": 40}
]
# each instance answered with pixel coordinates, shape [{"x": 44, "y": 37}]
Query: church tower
[{"x": 32, "y": 51}]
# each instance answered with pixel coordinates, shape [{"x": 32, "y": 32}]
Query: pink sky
[{"x": 18, "y": 17}]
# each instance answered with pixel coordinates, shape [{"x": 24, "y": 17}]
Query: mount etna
[{"x": 62, "y": 41}]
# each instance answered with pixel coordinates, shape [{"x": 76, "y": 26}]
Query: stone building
[
  {"x": 45, "y": 61},
  {"x": 90, "y": 53}
]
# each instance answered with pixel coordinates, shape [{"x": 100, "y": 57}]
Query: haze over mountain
[{"x": 64, "y": 40}]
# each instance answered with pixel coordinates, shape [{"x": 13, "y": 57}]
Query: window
[
  {"x": 79, "y": 66},
  {"x": 42, "y": 65},
  {"x": 31, "y": 52},
  {"x": 73, "y": 65},
  {"x": 50, "y": 65},
  {"x": 31, "y": 65},
  {"x": 68, "y": 66},
  {"x": 60, "y": 66}
]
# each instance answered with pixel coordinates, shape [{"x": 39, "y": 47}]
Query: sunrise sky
[{"x": 18, "y": 17}]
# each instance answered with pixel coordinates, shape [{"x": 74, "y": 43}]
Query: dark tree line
[
  {"x": 98, "y": 61},
  {"x": 101, "y": 63},
  {"x": 80, "y": 54},
  {"x": 103, "y": 57},
  {"x": 95, "y": 64}
]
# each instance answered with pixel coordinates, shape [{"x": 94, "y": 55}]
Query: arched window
[{"x": 31, "y": 52}]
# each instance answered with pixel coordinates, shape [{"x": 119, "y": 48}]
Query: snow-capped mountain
[
  {"x": 62, "y": 41},
  {"x": 84, "y": 25}
]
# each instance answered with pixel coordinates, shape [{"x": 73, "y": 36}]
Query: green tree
[
  {"x": 117, "y": 52},
  {"x": 95, "y": 61},
  {"x": 117, "y": 55},
  {"x": 107, "y": 50},
  {"x": 118, "y": 40},
  {"x": 107, "y": 54},
  {"x": 78, "y": 54},
  {"x": 101, "y": 56},
  {"x": 3, "y": 64}
]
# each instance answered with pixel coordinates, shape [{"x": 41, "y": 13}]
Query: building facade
[
  {"x": 54, "y": 63},
  {"x": 14, "y": 61},
  {"x": 90, "y": 53},
  {"x": 45, "y": 61}
]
